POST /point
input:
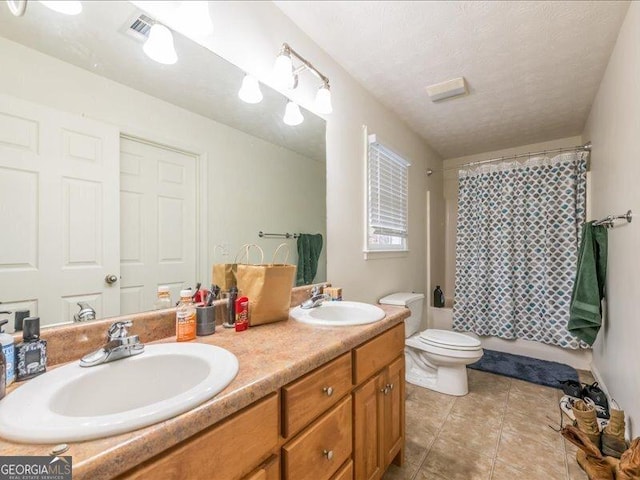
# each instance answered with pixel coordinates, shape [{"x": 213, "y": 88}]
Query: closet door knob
[
  {"x": 390, "y": 386},
  {"x": 328, "y": 391},
  {"x": 385, "y": 390},
  {"x": 328, "y": 454},
  {"x": 111, "y": 279}
]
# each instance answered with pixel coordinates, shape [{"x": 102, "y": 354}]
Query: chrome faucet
[
  {"x": 119, "y": 345},
  {"x": 316, "y": 299},
  {"x": 85, "y": 314}
]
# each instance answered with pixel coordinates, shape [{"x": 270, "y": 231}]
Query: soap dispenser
[{"x": 31, "y": 353}]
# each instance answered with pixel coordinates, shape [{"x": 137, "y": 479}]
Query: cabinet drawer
[
  {"x": 229, "y": 450},
  {"x": 269, "y": 470},
  {"x": 322, "y": 448},
  {"x": 345, "y": 473},
  {"x": 377, "y": 353},
  {"x": 306, "y": 398}
]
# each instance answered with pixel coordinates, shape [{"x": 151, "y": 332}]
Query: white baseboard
[
  {"x": 599, "y": 379},
  {"x": 603, "y": 386}
]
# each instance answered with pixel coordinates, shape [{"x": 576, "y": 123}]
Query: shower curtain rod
[{"x": 578, "y": 148}]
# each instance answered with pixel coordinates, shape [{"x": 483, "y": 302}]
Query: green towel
[
  {"x": 309, "y": 248},
  {"x": 585, "y": 312}
]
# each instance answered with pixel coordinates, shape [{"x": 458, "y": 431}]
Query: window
[{"x": 387, "y": 198}]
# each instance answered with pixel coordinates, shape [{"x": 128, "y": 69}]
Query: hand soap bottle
[{"x": 31, "y": 353}]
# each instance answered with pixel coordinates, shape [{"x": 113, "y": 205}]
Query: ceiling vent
[
  {"x": 138, "y": 27},
  {"x": 449, "y": 89}
]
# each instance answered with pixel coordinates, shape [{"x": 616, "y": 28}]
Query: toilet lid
[{"x": 448, "y": 339}]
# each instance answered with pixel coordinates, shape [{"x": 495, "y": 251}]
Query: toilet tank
[{"x": 413, "y": 301}]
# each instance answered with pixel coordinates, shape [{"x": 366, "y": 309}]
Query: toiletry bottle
[
  {"x": 3, "y": 375},
  {"x": 31, "y": 353},
  {"x": 242, "y": 314},
  {"x": 19, "y": 316},
  {"x": 185, "y": 318},
  {"x": 438, "y": 297},
  {"x": 164, "y": 298},
  {"x": 231, "y": 308},
  {"x": 8, "y": 349}
]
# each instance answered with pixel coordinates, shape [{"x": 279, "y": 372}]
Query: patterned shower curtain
[{"x": 517, "y": 242}]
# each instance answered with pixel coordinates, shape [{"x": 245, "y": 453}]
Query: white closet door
[
  {"x": 158, "y": 222},
  {"x": 59, "y": 211}
]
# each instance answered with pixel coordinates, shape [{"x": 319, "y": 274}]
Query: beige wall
[
  {"x": 231, "y": 155},
  {"x": 577, "y": 358},
  {"x": 614, "y": 127},
  {"x": 249, "y": 34}
]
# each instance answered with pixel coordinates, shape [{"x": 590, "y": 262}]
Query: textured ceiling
[
  {"x": 533, "y": 68},
  {"x": 201, "y": 81}
]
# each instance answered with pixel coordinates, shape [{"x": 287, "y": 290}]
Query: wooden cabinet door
[
  {"x": 393, "y": 431},
  {"x": 368, "y": 424}
]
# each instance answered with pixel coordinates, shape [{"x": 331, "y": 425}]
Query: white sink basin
[
  {"x": 339, "y": 314},
  {"x": 72, "y": 403}
]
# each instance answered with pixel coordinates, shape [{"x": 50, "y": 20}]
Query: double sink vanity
[{"x": 293, "y": 400}]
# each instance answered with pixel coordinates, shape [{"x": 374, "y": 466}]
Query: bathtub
[{"x": 442, "y": 319}]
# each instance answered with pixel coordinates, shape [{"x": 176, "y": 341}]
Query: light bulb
[
  {"x": 283, "y": 71},
  {"x": 250, "y": 90},
  {"x": 68, "y": 7},
  {"x": 159, "y": 45},
  {"x": 323, "y": 100},
  {"x": 292, "y": 114},
  {"x": 193, "y": 17}
]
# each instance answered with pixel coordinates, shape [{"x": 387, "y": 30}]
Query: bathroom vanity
[
  {"x": 308, "y": 402},
  {"x": 343, "y": 420}
]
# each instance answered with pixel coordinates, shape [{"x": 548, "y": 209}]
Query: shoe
[
  {"x": 595, "y": 468},
  {"x": 588, "y": 456},
  {"x": 595, "y": 394},
  {"x": 629, "y": 466},
  {"x": 613, "y": 442},
  {"x": 571, "y": 388},
  {"x": 587, "y": 421}
]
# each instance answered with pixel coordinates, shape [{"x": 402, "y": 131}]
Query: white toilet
[{"x": 435, "y": 359}]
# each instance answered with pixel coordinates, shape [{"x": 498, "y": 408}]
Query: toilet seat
[{"x": 448, "y": 340}]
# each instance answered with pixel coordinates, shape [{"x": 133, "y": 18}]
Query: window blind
[{"x": 387, "y": 174}]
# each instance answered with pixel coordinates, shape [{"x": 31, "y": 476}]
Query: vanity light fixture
[
  {"x": 250, "y": 90},
  {"x": 286, "y": 76},
  {"x": 159, "y": 45},
  {"x": 323, "y": 100},
  {"x": 292, "y": 114},
  {"x": 67, "y": 7},
  {"x": 283, "y": 69}
]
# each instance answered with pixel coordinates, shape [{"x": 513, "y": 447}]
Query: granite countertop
[{"x": 270, "y": 356}]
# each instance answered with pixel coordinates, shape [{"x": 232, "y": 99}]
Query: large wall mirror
[{"x": 119, "y": 174}]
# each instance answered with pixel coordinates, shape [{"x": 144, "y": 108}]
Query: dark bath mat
[{"x": 542, "y": 372}]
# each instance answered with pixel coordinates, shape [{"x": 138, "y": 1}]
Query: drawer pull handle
[
  {"x": 390, "y": 386},
  {"x": 328, "y": 454},
  {"x": 328, "y": 391},
  {"x": 385, "y": 390}
]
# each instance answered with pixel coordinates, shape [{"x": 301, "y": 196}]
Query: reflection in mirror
[{"x": 119, "y": 174}]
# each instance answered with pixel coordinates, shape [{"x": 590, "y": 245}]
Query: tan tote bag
[
  {"x": 224, "y": 274},
  {"x": 268, "y": 287}
]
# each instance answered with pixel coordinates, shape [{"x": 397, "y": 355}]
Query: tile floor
[{"x": 497, "y": 432}]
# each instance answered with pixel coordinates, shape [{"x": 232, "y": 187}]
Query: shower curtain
[{"x": 517, "y": 240}]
